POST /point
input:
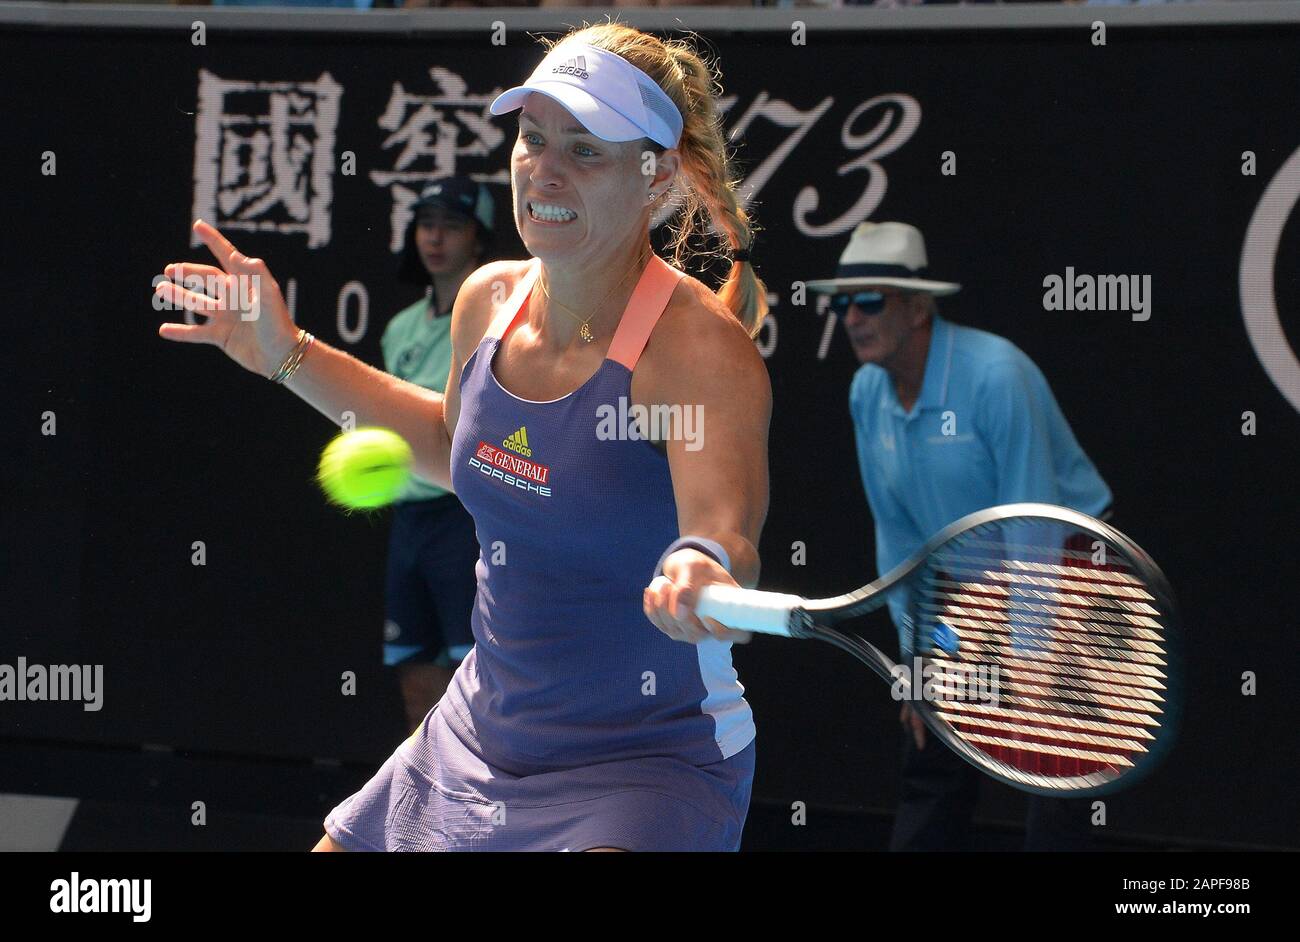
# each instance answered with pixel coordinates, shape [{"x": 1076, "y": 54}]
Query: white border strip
[
  {"x": 704, "y": 19},
  {"x": 34, "y": 822}
]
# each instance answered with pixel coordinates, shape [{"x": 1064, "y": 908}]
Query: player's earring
[{"x": 651, "y": 197}]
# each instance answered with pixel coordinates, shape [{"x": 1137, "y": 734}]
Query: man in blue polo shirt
[{"x": 948, "y": 420}]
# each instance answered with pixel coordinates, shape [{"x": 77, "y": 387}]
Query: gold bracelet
[
  {"x": 281, "y": 371},
  {"x": 299, "y": 355},
  {"x": 294, "y": 359}
]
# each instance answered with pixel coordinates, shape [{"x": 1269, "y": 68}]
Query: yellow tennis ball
[{"x": 364, "y": 468}]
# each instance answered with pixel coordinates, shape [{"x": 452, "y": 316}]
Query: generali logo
[{"x": 511, "y": 470}]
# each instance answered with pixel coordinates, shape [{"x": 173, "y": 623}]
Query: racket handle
[{"x": 750, "y": 609}]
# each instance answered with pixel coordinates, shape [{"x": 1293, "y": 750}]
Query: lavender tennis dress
[{"x": 573, "y": 723}]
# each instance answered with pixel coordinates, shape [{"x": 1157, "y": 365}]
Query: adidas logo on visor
[{"x": 577, "y": 67}]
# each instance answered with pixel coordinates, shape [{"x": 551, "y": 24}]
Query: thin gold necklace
[{"x": 584, "y": 324}]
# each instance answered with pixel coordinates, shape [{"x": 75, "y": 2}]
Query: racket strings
[
  {"x": 1104, "y": 721},
  {"x": 1033, "y": 607},
  {"x": 1073, "y": 638},
  {"x": 1038, "y": 558},
  {"x": 1104, "y": 596},
  {"x": 1088, "y": 683},
  {"x": 1102, "y": 651},
  {"x": 1096, "y": 591},
  {"x": 1122, "y": 614},
  {"x": 1035, "y": 616},
  {"x": 991, "y": 615},
  {"x": 1067, "y": 669}
]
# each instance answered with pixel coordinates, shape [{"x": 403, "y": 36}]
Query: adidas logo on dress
[{"x": 518, "y": 442}]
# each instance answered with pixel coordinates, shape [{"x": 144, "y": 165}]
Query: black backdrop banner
[{"x": 1172, "y": 154}]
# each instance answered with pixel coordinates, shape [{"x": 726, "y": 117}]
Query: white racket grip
[{"x": 750, "y": 609}]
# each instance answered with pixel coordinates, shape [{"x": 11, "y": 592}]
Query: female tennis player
[{"x": 574, "y": 724}]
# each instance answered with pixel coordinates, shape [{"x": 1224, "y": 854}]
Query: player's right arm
[
  {"x": 471, "y": 315},
  {"x": 332, "y": 381}
]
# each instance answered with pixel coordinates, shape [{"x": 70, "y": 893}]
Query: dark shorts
[{"x": 430, "y": 585}]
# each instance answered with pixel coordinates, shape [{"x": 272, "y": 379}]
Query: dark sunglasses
[{"x": 868, "y": 302}]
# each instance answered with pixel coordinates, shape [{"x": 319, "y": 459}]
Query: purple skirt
[{"x": 436, "y": 793}]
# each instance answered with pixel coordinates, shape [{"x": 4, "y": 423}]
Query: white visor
[{"x": 612, "y": 98}]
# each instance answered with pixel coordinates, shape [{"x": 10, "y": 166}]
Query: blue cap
[{"x": 462, "y": 195}]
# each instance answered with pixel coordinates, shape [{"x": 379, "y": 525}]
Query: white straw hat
[{"x": 883, "y": 253}]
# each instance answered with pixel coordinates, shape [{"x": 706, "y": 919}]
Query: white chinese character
[
  {"x": 264, "y": 155},
  {"x": 431, "y": 134}
]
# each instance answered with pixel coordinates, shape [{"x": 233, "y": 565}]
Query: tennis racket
[{"x": 1038, "y": 643}]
